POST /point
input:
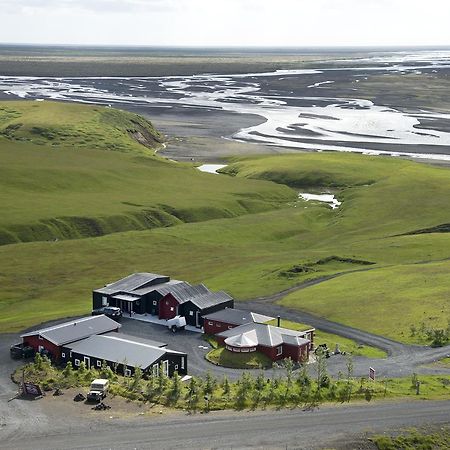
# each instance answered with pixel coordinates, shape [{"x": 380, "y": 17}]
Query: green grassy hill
[
  {"x": 77, "y": 126},
  {"x": 84, "y": 174},
  {"x": 395, "y": 273}
]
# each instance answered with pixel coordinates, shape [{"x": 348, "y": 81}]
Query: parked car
[
  {"x": 98, "y": 390},
  {"x": 110, "y": 311},
  {"x": 19, "y": 351}
]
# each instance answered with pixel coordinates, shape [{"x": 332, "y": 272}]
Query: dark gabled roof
[
  {"x": 237, "y": 316},
  {"x": 76, "y": 329},
  {"x": 162, "y": 288},
  {"x": 199, "y": 295},
  {"x": 133, "y": 282},
  {"x": 261, "y": 334},
  {"x": 210, "y": 299},
  {"x": 184, "y": 293},
  {"x": 122, "y": 349},
  {"x": 136, "y": 339}
]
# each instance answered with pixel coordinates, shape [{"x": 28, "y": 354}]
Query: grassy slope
[
  {"x": 52, "y": 190},
  {"x": 384, "y": 301},
  {"x": 253, "y": 255},
  {"x": 246, "y": 255},
  {"x": 382, "y": 199}
]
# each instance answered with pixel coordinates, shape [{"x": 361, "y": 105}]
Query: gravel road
[{"x": 328, "y": 427}]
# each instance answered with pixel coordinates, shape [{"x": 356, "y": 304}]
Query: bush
[{"x": 438, "y": 337}]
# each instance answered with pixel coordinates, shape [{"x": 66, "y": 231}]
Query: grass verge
[{"x": 415, "y": 439}]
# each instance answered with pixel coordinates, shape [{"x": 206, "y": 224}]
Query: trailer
[{"x": 176, "y": 323}]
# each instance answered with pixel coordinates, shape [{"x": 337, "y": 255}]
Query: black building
[
  {"x": 139, "y": 293},
  {"x": 196, "y": 307},
  {"x": 124, "y": 354}
]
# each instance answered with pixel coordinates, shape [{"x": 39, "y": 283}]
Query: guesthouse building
[
  {"x": 229, "y": 318},
  {"x": 275, "y": 342},
  {"x": 123, "y": 354},
  {"x": 138, "y": 293},
  {"x": 193, "y": 302},
  {"x": 51, "y": 340}
]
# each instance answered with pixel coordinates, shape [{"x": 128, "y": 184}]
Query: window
[
  {"x": 77, "y": 362},
  {"x": 210, "y": 323},
  {"x": 155, "y": 370},
  {"x": 155, "y": 302},
  {"x": 127, "y": 373},
  {"x": 167, "y": 302},
  {"x": 191, "y": 313},
  {"x": 171, "y": 308},
  {"x": 279, "y": 350},
  {"x": 63, "y": 355},
  {"x": 182, "y": 362},
  {"x": 230, "y": 327},
  {"x": 99, "y": 363},
  {"x": 104, "y": 301},
  {"x": 176, "y": 367},
  {"x": 41, "y": 338}
]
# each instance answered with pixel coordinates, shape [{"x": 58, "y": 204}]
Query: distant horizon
[{"x": 230, "y": 47}]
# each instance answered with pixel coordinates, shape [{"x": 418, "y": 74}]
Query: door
[
  {"x": 197, "y": 319},
  {"x": 165, "y": 366},
  {"x": 87, "y": 362}
]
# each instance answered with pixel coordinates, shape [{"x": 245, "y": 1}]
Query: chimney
[{"x": 278, "y": 321}]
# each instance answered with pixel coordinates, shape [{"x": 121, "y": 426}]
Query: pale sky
[{"x": 227, "y": 22}]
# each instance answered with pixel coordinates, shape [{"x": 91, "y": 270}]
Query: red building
[
  {"x": 229, "y": 318},
  {"x": 52, "y": 339},
  {"x": 193, "y": 302},
  {"x": 275, "y": 342}
]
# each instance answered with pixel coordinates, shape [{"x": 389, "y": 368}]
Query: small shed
[
  {"x": 53, "y": 338},
  {"x": 124, "y": 353}
]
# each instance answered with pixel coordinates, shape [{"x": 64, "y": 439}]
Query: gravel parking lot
[{"x": 189, "y": 342}]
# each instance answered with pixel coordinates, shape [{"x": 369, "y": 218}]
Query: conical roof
[{"x": 243, "y": 340}]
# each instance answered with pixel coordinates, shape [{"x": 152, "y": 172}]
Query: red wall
[
  {"x": 294, "y": 352},
  {"x": 165, "y": 305},
  {"x": 216, "y": 327},
  {"x": 35, "y": 342},
  {"x": 220, "y": 340}
]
